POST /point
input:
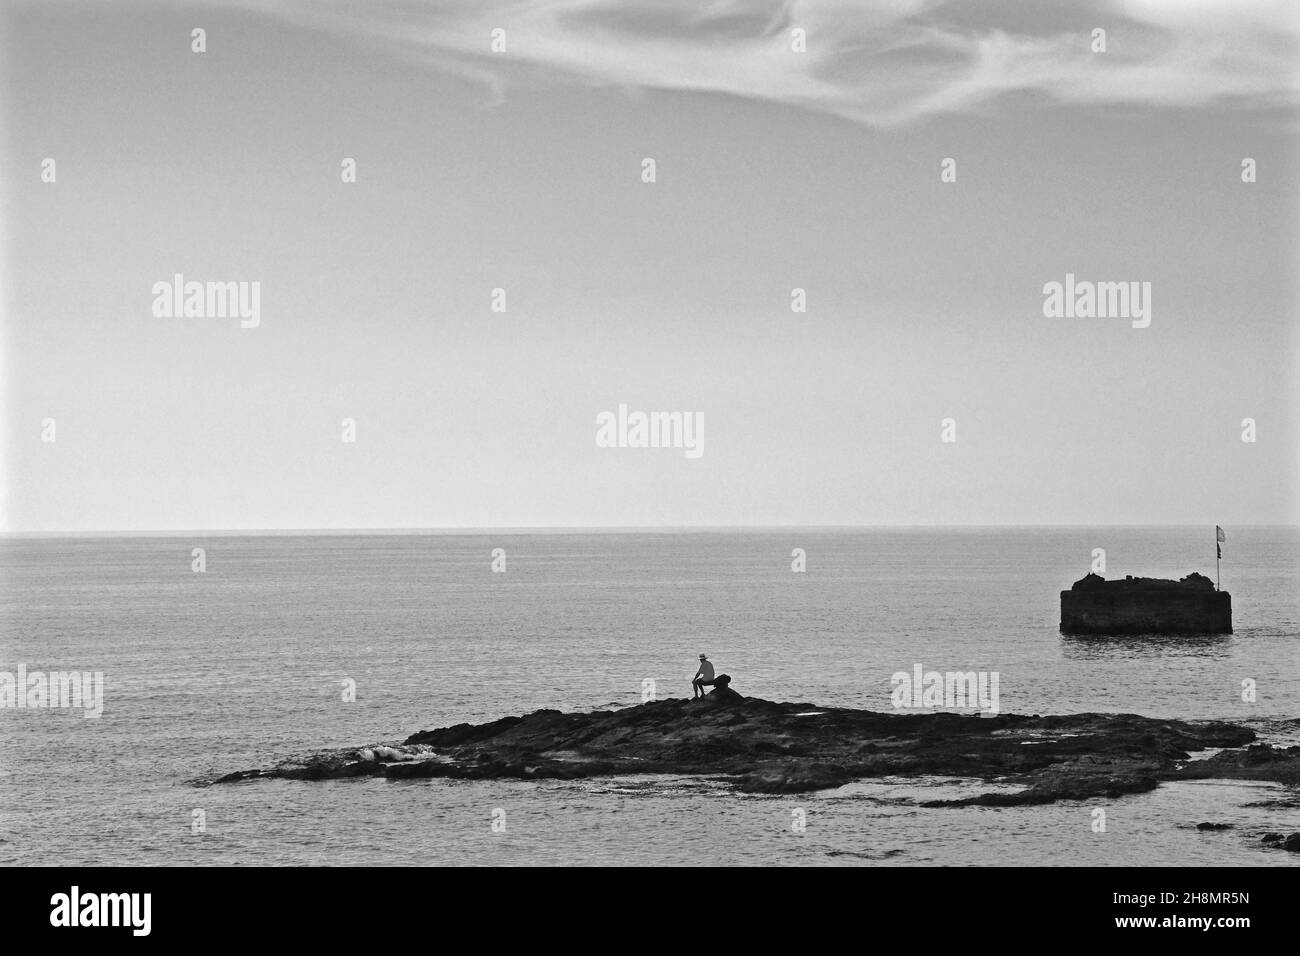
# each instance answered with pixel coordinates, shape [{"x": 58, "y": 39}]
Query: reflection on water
[
  {"x": 243, "y": 665},
  {"x": 1148, "y": 645}
]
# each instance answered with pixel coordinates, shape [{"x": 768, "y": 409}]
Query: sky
[{"x": 522, "y": 170}]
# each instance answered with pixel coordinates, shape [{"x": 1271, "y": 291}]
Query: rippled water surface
[{"x": 245, "y": 663}]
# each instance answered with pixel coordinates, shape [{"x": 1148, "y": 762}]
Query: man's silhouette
[{"x": 703, "y": 677}]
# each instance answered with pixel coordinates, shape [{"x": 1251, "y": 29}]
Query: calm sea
[{"x": 246, "y": 663}]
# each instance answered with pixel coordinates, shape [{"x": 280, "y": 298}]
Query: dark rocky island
[
  {"x": 760, "y": 746},
  {"x": 1191, "y": 605}
]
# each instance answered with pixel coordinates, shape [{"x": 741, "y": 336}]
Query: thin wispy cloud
[{"x": 878, "y": 62}]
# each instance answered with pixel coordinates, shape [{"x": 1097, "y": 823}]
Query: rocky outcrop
[
  {"x": 1277, "y": 841},
  {"x": 1190, "y": 605},
  {"x": 764, "y": 747},
  {"x": 722, "y": 692},
  {"x": 1259, "y": 762}
]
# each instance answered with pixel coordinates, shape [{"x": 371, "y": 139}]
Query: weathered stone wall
[{"x": 1111, "y": 610}]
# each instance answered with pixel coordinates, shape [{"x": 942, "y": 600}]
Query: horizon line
[{"x": 580, "y": 529}]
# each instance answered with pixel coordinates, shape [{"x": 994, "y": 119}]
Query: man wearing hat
[{"x": 703, "y": 677}]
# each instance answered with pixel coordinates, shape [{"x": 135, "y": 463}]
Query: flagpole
[{"x": 1218, "y": 554}]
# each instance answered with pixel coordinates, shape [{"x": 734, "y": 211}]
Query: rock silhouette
[
  {"x": 1190, "y": 605},
  {"x": 764, "y": 747},
  {"x": 722, "y": 692},
  {"x": 1276, "y": 840}
]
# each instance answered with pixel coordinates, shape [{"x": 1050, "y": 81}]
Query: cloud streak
[{"x": 878, "y": 62}]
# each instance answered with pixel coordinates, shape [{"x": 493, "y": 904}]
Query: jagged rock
[
  {"x": 1258, "y": 762},
  {"x": 722, "y": 692},
  {"x": 1292, "y": 843},
  {"x": 768, "y": 747},
  {"x": 792, "y": 777}
]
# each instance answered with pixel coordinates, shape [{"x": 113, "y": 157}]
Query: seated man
[{"x": 703, "y": 677}]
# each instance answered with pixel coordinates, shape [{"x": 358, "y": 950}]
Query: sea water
[{"x": 286, "y": 644}]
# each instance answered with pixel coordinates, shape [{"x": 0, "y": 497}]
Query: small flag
[{"x": 1218, "y": 534}]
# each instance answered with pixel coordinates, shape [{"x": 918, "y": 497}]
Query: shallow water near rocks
[{"x": 243, "y": 665}]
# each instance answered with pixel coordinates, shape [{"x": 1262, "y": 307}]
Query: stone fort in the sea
[{"x": 1191, "y": 605}]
